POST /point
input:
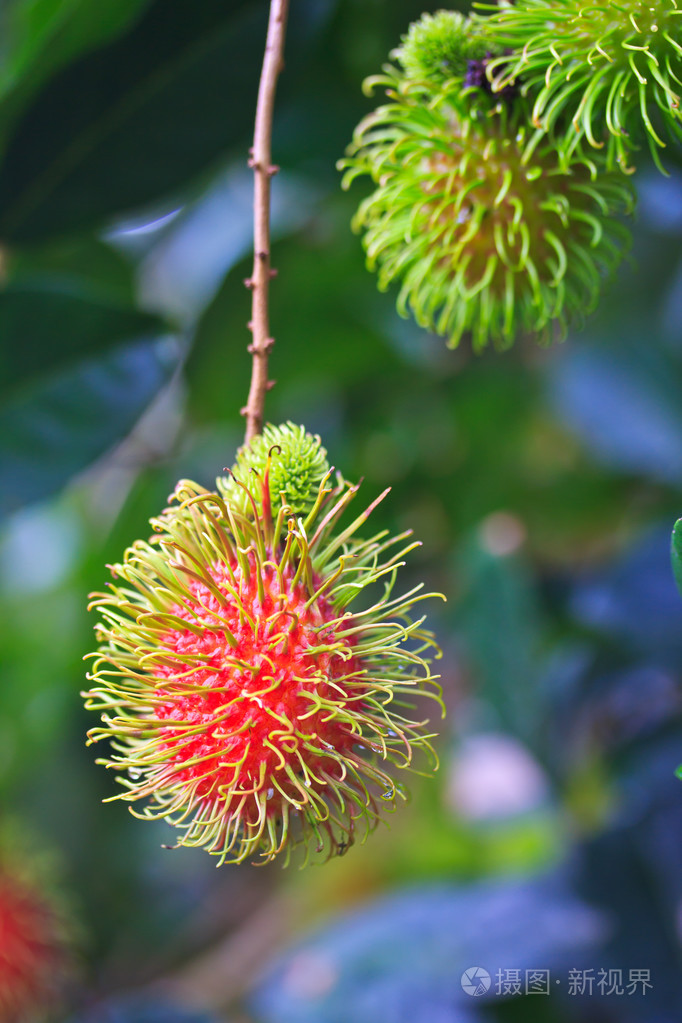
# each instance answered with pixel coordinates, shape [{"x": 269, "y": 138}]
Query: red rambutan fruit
[
  {"x": 35, "y": 956},
  {"x": 250, "y": 694}
]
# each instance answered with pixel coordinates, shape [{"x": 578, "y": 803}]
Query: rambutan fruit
[
  {"x": 254, "y": 671},
  {"x": 36, "y": 959},
  {"x": 606, "y": 72},
  {"x": 475, "y": 215}
]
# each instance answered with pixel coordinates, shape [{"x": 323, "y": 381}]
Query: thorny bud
[
  {"x": 295, "y": 473},
  {"x": 441, "y": 47}
]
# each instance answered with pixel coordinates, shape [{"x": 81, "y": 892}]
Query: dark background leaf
[
  {"x": 40, "y": 36},
  {"x": 49, "y": 328},
  {"x": 135, "y": 121},
  {"x": 55, "y": 429}
]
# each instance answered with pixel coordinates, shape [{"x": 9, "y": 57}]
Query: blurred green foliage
[{"x": 542, "y": 484}]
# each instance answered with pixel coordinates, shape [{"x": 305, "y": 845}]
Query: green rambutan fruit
[
  {"x": 605, "y": 72},
  {"x": 477, "y": 218},
  {"x": 255, "y": 673}
]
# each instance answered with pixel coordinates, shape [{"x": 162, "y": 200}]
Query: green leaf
[
  {"x": 500, "y": 622},
  {"x": 46, "y": 327},
  {"x": 57, "y": 427},
  {"x": 140, "y": 118},
  {"x": 676, "y": 553}
]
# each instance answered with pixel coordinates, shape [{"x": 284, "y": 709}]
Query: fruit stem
[{"x": 260, "y": 160}]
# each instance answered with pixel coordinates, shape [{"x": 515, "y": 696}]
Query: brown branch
[{"x": 261, "y": 161}]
